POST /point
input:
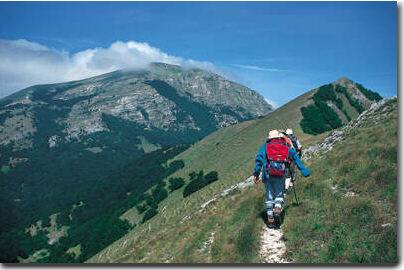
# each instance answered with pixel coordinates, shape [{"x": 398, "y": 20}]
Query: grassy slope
[
  {"x": 231, "y": 153},
  {"x": 235, "y": 221},
  {"x": 357, "y": 222}
]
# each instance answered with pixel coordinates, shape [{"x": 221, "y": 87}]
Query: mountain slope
[
  {"x": 349, "y": 209},
  {"x": 179, "y": 232},
  {"x": 78, "y": 148}
]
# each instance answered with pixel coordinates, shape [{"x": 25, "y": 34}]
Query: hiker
[
  {"x": 295, "y": 141},
  {"x": 272, "y": 159},
  {"x": 292, "y": 140}
]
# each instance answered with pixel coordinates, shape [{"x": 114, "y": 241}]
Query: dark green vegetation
[
  {"x": 199, "y": 181},
  {"x": 150, "y": 202},
  {"x": 109, "y": 170},
  {"x": 320, "y": 116},
  {"x": 354, "y": 103},
  {"x": 149, "y": 214},
  {"x": 104, "y": 205},
  {"x": 357, "y": 221},
  {"x": 102, "y": 182},
  {"x": 369, "y": 93},
  {"x": 176, "y": 183}
]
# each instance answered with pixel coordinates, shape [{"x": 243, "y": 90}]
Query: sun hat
[{"x": 274, "y": 134}]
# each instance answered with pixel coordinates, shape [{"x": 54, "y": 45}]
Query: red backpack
[{"x": 277, "y": 157}]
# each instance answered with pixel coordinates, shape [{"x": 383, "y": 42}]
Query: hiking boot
[
  {"x": 270, "y": 220},
  {"x": 278, "y": 210}
]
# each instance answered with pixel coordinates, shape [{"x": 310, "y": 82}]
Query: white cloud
[
  {"x": 24, "y": 63},
  {"x": 257, "y": 68}
]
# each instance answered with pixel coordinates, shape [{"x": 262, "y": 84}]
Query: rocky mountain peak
[{"x": 344, "y": 81}]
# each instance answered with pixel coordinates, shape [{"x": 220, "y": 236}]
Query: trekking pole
[{"x": 294, "y": 191}]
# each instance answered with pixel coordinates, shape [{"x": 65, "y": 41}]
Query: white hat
[
  {"x": 289, "y": 131},
  {"x": 274, "y": 134}
]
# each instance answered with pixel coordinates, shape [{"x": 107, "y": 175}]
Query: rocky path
[{"x": 273, "y": 247}]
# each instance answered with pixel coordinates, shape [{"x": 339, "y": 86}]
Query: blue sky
[{"x": 280, "y": 49}]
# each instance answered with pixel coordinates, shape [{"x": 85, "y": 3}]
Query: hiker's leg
[
  {"x": 269, "y": 197},
  {"x": 279, "y": 186}
]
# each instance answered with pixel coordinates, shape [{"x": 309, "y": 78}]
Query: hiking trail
[
  {"x": 272, "y": 247},
  {"x": 272, "y": 244}
]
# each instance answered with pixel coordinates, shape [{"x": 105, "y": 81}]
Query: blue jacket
[{"x": 261, "y": 162}]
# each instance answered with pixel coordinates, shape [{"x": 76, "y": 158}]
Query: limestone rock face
[{"x": 80, "y": 107}]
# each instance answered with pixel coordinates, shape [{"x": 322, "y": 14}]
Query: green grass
[
  {"x": 316, "y": 231},
  {"x": 229, "y": 151},
  {"x": 234, "y": 222},
  {"x": 331, "y": 227}
]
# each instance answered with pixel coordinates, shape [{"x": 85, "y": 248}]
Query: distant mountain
[
  {"x": 190, "y": 103},
  {"x": 96, "y": 141}
]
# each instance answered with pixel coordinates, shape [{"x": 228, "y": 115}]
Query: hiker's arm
[
  {"x": 259, "y": 161},
  {"x": 293, "y": 154}
]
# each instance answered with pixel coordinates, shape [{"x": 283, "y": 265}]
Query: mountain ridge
[
  {"x": 229, "y": 151},
  {"x": 113, "y": 209},
  {"x": 62, "y": 144},
  {"x": 218, "y": 209}
]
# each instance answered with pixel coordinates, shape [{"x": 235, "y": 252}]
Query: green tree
[
  {"x": 199, "y": 182},
  {"x": 175, "y": 183},
  {"x": 149, "y": 214},
  {"x": 141, "y": 208},
  {"x": 159, "y": 193}
]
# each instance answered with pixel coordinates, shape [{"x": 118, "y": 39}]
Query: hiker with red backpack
[{"x": 273, "y": 159}]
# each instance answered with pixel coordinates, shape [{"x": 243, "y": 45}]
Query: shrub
[
  {"x": 175, "y": 166},
  {"x": 159, "y": 193},
  {"x": 149, "y": 214},
  {"x": 175, "y": 183},
  {"x": 148, "y": 198},
  {"x": 211, "y": 177},
  {"x": 150, "y": 201},
  {"x": 198, "y": 181},
  {"x": 141, "y": 208}
]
